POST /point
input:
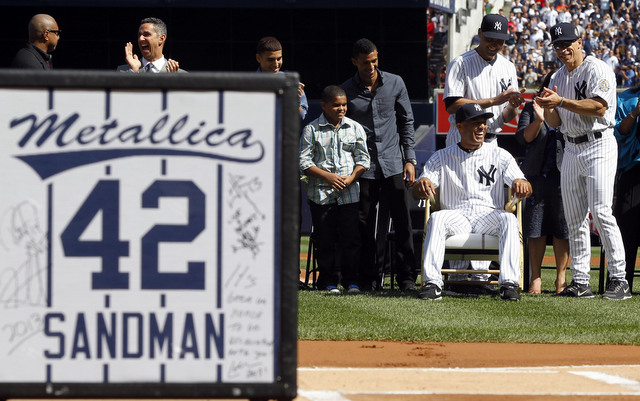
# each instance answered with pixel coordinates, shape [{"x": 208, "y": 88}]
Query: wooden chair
[
  {"x": 311, "y": 275},
  {"x": 474, "y": 246}
]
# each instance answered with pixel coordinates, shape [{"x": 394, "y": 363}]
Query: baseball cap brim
[
  {"x": 486, "y": 114},
  {"x": 496, "y": 35},
  {"x": 564, "y": 40}
]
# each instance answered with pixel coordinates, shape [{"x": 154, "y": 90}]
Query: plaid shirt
[{"x": 337, "y": 150}]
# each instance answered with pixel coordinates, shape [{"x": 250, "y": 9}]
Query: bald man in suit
[{"x": 44, "y": 35}]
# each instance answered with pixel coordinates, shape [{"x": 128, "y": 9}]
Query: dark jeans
[
  {"x": 337, "y": 237},
  {"x": 392, "y": 192},
  {"x": 627, "y": 212}
]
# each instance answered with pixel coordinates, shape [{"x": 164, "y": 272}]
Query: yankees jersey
[
  {"x": 472, "y": 77},
  {"x": 474, "y": 179},
  {"x": 593, "y": 77}
]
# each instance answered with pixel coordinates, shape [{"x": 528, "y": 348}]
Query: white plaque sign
[{"x": 138, "y": 232}]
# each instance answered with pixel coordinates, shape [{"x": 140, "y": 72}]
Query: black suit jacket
[{"x": 30, "y": 57}]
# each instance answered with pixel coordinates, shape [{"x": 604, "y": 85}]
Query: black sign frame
[{"x": 287, "y": 222}]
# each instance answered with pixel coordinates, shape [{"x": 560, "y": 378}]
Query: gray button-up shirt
[{"x": 387, "y": 119}]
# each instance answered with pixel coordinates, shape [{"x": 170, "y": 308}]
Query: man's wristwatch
[{"x": 412, "y": 161}]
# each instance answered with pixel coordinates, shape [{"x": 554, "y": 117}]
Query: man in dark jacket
[
  {"x": 379, "y": 101},
  {"x": 44, "y": 35}
]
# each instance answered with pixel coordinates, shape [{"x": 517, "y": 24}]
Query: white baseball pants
[{"x": 445, "y": 223}]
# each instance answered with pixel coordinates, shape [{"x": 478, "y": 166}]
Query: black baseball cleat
[
  {"x": 509, "y": 292},
  {"x": 430, "y": 292},
  {"x": 617, "y": 290},
  {"x": 576, "y": 290}
]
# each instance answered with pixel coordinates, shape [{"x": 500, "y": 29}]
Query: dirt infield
[
  {"x": 384, "y": 371},
  {"x": 386, "y": 354}
]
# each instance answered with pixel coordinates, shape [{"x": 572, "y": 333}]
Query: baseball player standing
[
  {"x": 483, "y": 76},
  {"x": 471, "y": 178},
  {"x": 582, "y": 104}
]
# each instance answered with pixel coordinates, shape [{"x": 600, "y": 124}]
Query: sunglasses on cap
[{"x": 562, "y": 45}]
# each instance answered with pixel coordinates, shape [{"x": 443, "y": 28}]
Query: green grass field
[{"x": 391, "y": 315}]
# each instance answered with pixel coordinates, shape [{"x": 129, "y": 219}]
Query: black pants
[
  {"x": 392, "y": 192},
  {"x": 337, "y": 238},
  {"x": 627, "y": 212}
]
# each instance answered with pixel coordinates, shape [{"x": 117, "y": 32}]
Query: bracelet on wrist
[{"x": 561, "y": 102}]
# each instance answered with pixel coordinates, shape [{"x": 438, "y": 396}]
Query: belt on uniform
[
  {"x": 489, "y": 135},
  {"x": 583, "y": 138}
]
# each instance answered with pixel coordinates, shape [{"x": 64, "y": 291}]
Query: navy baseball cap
[
  {"x": 564, "y": 31},
  {"x": 495, "y": 26},
  {"x": 469, "y": 111}
]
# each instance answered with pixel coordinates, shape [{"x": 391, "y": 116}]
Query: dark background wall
[{"x": 221, "y": 35}]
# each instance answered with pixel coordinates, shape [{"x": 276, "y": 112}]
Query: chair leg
[
  {"x": 315, "y": 272},
  {"x": 389, "y": 258},
  {"x": 601, "y": 276},
  {"x": 527, "y": 266},
  {"x": 312, "y": 265}
]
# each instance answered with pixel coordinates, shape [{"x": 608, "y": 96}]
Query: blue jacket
[{"x": 628, "y": 145}]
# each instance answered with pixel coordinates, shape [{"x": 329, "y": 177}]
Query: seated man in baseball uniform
[{"x": 471, "y": 178}]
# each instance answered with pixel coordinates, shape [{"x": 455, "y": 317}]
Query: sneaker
[
  {"x": 509, "y": 292},
  {"x": 431, "y": 292},
  {"x": 333, "y": 289},
  {"x": 485, "y": 289},
  {"x": 576, "y": 290},
  {"x": 353, "y": 289},
  {"x": 617, "y": 290}
]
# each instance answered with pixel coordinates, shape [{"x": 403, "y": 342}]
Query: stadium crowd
[{"x": 610, "y": 29}]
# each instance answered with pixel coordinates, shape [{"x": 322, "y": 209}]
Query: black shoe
[
  {"x": 509, "y": 292},
  {"x": 576, "y": 290},
  {"x": 408, "y": 287},
  {"x": 303, "y": 287},
  {"x": 617, "y": 290},
  {"x": 370, "y": 286},
  {"x": 431, "y": 292},
  {"x": 483, "y": 290},
  {"x": 454, "y": 289}
]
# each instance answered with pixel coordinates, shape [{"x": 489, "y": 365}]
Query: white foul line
[
  {"x": 326, "y": 395},
  {"x": 515, "y": 369},
  {"x": 322, "y": 395},
  {"x": 610, "y": 379}
]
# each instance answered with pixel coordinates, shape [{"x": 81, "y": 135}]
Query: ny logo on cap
[
  {"x": 497, "y": 26},
  {"x": 558, "y": 31},
  {"x": 477, "y": 106}
]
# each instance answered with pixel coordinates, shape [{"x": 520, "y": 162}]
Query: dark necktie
[{"x": 147, "y": 68}]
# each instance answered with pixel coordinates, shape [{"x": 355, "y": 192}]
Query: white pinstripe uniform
[
  {"x": 472, "y": 77},
  {"x": 472, "y": 198},
  {"x": 589, "y": 168}
]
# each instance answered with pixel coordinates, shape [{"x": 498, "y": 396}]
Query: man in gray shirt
[{"x": 379, "y": 101}]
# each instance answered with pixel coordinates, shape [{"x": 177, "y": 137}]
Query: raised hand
[{"x": 131, "y": 58}]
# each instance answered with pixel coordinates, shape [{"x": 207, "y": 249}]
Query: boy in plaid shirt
[{"x": 333, "y": 154}]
